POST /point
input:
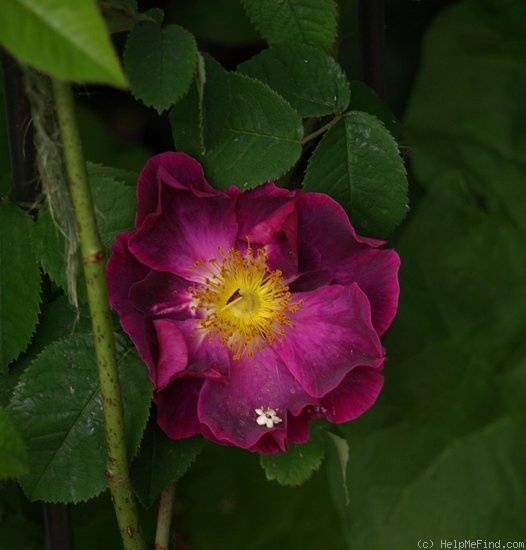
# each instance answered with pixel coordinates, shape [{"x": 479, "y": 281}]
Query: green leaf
[
  {"x": 296, "y": 465},
  {"x": 96, "y": 171},
  {"x": 19, "y": 283},
  {"x": 358, "y": 164},
  {"x": 161, "y": 461},
  {"x": 5, "y": 179},
  {"x": 115, "y": 205},
  {"x": 186, "y": 121},
  {"x": 259, "y": 125},
  {"x": 469, "y": 488},
  {"x": 310, "y": 80},
  {"x": 512, "y": 386},
  {"x": 58, "y": 319},
  {"x": 155, "y": 14},
  {"x": 57, "y": 407},
  {"x": 467, "y": 107},
  {"x": 13, "y": 455},
  {"x": 50, "y": 246},
  {"x": 455, "y": 255},
  {"x": 160, "y": 63},
  {"x": 311, "y": 22},
  {"x": 338, "y": 455},
  {"x": 67, "y": 40},
  {"x": 227, "y": 487},
  {"x": 245, "y": 122},
  {"x": 487, "y": 465},
  {"x": 365, "y": 99},
  {"x": 186, "y": 117},
  {"x": 121, "y": 15}
]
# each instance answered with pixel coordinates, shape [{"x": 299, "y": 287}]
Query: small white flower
[{"x": 267, "y": 417}]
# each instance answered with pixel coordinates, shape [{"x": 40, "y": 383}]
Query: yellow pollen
[{"x": 245, "y": 304}]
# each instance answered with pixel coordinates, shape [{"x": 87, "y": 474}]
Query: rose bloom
[{"x": 254, "y": 311}]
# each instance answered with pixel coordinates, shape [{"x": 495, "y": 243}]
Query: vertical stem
[
  {"x": 372, "y": 23},
  {"x": 93, "y": 264},
  {"x": 164, "y": 518}
]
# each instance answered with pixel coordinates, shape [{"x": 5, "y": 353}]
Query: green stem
[
  {"x": 93, "y": 262},
  {"x": 164, "y": 518},
  {"x": 324, "y": 128}
]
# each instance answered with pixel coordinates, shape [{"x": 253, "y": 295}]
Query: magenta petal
[
  {"x": 173, "y": 352},
  {"x": 376, "y": 272},
  {"x": 229, "y": 409},
  {"x": 264, "y": 211},
  {"x": 281, "y": 255},
  {"x": 177, "y": 408},
  {"x": 328, "y": 361},
  {"x": 187, "y": 229},
  {"x": 174, "y": 169},
  {"x": 354, "y": 395},
  {"x": 333, "y": 333},
  {"x": 267, "y": 216},
  {"x": 298, "y": 427},
  {"x": 310, "y": 280},
  {"x": 161, "y": 293},
  {"x": 324, "y": 225},
  {"x": 205, "y": 359},
  {"x": 271, "y": 443},
  {"x": 122, "y": 271}
]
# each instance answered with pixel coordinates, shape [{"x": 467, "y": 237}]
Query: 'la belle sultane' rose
[{"x": 254, "y": 311}]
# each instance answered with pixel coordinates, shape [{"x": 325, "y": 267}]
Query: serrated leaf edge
[
  {"x": 16, "y": 389},
  {"x": 271, "y": 477},
  {"x": 340, "y": 70},
  {"x": 161, "y": 108},
  {"x": 32, "y": 247},
  {"x": 173, "y": 479},
  {"x": 334, "y": 31}
]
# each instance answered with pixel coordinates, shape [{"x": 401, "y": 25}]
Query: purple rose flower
[{"x": 254, "y": 311}]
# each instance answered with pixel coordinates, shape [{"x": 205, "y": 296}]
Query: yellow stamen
[{"x": 245, "y": 304}]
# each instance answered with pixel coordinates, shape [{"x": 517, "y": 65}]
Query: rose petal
[
  {"x": 281, "y": 255},
  {"x": 177, "y": 408},
  {"x": 173, "y": 352},
  {"x": 324, "y": 225},
  {"x": 162, "y": 293},
  {"x": 174, "y": 169},
  {"x": 328, "y": 364},
  {"x": 122, "y": 271},
  {"x": 205, "y": 359},
  {"x": 187, "y": 229},
  {"x": 357, "y": 392},
  {"x": 298, "y": 426},
  {"x": 261, "y": 381},
  {"x": 267, "y": 216},
  {"x": 333, "y": 334},
  {"x": 376, "y": 272},
  {"x": 264, "y": 211},
  {"x": 310, "y": 280}
]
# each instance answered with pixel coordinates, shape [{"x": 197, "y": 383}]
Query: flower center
[{"x": 245, "y": 304}]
